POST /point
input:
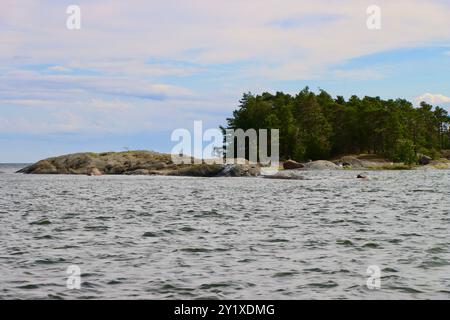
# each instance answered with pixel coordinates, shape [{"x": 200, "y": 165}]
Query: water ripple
[{"x": 230, "y": 238}]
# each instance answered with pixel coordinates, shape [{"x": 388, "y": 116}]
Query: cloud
[
  {"x": 135, "y": 67},
  {"x": 158, "y": 64},
  {"x": 319, "y": 33},
  {"x": 114, "y": 104},
  {"x": 305, "y": 21},
  {"x": 56, "y": 86},
  {"x": 103, "y": 116},
  {"x": 434, "y": 99},
  {"x": 59, "y": 69}
]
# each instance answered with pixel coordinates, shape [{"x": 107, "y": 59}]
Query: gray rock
[
  {"x": 351, "y": 162},
  {"x": 240, "y": 170},
  {"x": 106, "y": 163},
  {"x": 41, "y": 167},
  {"x": 362, "y": 162},
  {"x": 346, "y": 164},
  {"x": 135, "y": 163},
  {"x": 138, "y": 172},
  {"x": 291, "y": 164},
  {"x": 424, "y": 160},
  {"x": 94, "y": 172},
  {"x": 321, "y": 165},
  {"x": 200, "y": 170},
  {"x": 218, "y": 170},
  {"x": 445, "y": 154}
]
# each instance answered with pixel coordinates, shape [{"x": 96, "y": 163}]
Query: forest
[{"x": 317, "y": 126}]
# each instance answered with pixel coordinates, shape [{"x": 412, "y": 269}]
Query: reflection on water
[{"x": 252, "y": 238}]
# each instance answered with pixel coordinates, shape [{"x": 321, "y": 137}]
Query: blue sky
[{"x": 137, "y": 70}]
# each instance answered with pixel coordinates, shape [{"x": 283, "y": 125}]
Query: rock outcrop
[
  {"x": 424, "y": 160},
  {"x": 442, "y": 164},
  {"x": 445, "y": 154},
  {"x": 321, "y": 165},
  {"x": 363, "y": 161},
  {"x": 136, "y": 163},
  {"x": 291, "y": 164},
  {"x": 201, "y": 170},
  {"x": 351, "y": 162},
  {"x": 95, "y": 172},
  {"x": 100, "y": 163},
  {"x": 154, "y": 163}
]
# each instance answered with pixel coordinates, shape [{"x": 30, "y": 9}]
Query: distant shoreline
[{"x": 153, "y": 163}]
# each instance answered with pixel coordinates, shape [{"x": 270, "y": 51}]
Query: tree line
[{"x": 317, "y": 126}]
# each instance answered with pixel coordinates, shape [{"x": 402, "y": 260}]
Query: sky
[{"x": 137, "y": 70}]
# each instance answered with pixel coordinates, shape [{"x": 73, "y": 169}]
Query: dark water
[{"x": 252, "y": 238}]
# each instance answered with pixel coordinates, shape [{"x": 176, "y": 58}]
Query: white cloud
[
  {"x": 219, "y": 31},
  {"x": 434, "y": 99},
  {"x": 102, "y": 116},
  {"x": 70, "y": 87},
  {"x": 101, "y": 77},
  {"x": 136, "y": 67},
  {"x": 59, "y": 69},
  {"x": 114, "y": 104}
]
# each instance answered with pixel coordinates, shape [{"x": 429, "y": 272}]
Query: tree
[
  {"x": 404, "y": 152},
  {"x": 316, "y": 126}
]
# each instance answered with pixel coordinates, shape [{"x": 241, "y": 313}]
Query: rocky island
[
  {"x": 135, "y": 163},
  {"x": 356, "y": 134},
  {"x": 154, "y": 163}
]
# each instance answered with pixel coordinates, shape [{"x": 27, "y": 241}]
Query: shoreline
[{"x": 153, "y": 163}]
